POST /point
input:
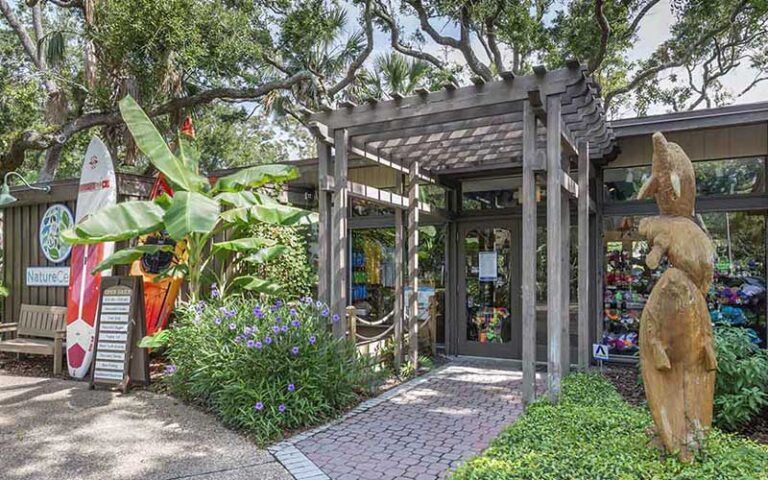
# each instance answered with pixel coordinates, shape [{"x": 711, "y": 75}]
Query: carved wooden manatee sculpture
[
  {"x": 684, "y": 243},
  {"x": 672, "y": 180},
  {"x": 678, "y": 362}
]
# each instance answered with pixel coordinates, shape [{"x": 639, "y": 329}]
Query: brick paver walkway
[{"x": 421, "y": 431}]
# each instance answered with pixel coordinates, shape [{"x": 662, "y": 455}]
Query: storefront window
[
  {"x": 365, "y": 208},
  {"x": 373, "y": 274},
  {"x": 737, "y": 296},
  {"x": 714, "y": 177},
  {"x": 491, "y": 193}
]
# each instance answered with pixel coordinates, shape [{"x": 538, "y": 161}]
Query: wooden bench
[{"x": 40, "y": 331}]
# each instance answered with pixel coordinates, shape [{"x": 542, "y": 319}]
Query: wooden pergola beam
[
  {"x": 325, "y": 228},
  {"x": 585, "y": 260},
  {"x": 399, "y": 304},
  {"x": 339, "y": 254},
  {"x": 529, "y": 256},
  {"x": 413, "y": 265},
  {"x": 384, "y": 197},
  {"x": 458, "y": 103},
  {"x": 554, "y": 250}
]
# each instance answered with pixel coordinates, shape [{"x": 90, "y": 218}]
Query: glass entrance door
[{"x": 489, "y": 289}]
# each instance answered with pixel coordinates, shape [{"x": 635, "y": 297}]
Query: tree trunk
[{"x": 52, "y": 158}]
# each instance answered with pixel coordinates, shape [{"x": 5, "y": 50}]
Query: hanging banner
[{"x": 488, "y": 266}]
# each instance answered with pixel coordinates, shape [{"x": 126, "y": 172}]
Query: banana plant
[{"x": 198, "y": 213}]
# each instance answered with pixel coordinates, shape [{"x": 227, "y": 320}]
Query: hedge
[{"x": 593, "y": 433}]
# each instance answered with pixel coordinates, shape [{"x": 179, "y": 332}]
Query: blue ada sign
[{"x": 600, "y": 351}]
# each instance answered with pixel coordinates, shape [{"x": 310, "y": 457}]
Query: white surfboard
[{"x": 98, "y": 189}]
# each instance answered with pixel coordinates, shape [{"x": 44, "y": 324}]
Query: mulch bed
[
  {"x": 626, "y": 379},
  {"x": 27, "y": 365}
]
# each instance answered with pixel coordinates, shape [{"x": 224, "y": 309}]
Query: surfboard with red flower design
[{"x": 98, "y": 189}]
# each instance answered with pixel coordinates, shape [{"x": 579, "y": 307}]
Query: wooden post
[
  {"x": 324, "y": 192},
  {"x": 339, "y": 237},
  {"x": 529, "y": 255},
  {"x": 565, "y": 277},
  {"x": 399, "y": 313},
  {"x": 413, "y": 263},
  {"x": 585, "y": 260},
  {"x": 554, "y": 249},
  {"x": 599, "y": 263},
  {"x": 351, "y": 313}
]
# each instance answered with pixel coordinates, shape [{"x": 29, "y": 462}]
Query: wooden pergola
[{"x": 550, "y": 124}]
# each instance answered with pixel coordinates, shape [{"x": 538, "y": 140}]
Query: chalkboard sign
[{"x": 118, "y": 361}]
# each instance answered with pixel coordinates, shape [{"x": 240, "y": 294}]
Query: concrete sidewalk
[{"x": 60, "y": 430}]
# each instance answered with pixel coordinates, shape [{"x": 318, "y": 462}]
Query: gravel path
[{"x": 59, "y": 430}]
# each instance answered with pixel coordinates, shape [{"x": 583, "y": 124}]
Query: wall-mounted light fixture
[{"x": 5, "y": 194}]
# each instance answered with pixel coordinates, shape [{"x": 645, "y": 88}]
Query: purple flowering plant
[{"x": 232, "y": 356}]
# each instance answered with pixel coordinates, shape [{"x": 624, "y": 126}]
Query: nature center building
[{"x": 510, "y": 208}]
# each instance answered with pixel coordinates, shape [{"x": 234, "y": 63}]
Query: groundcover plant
[{"x": 264, "y": 368}]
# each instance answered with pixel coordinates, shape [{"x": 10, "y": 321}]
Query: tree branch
[
  {"x": 68, "y": 3},
  {"x": 400, "y": 47},
  {"x": 639, "y": 17},
  {"x": 34, "y": 140},
  {"x": 490, "y": 28},
  {"x": 360, "y": 59},
  {"x": 21, "y": 32},
  {"x": 463, "y": 44},
  {"x": 605, "y": 32}
]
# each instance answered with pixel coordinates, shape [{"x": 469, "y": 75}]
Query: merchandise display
[{"x": 737, "y": 296}]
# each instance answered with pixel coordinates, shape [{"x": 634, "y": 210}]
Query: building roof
[{"x": 731, "y": 115}]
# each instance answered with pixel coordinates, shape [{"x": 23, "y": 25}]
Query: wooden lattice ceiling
[{"x": 479, "y": 125}]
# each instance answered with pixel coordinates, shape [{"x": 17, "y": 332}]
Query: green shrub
[
  {"x": 293, "y": 269},
  {"x": 264, "y": 369},
  {"x": 593, "y": 433},
  {"x": 741, "y": 389}
]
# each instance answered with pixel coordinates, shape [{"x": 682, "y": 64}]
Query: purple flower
[
  {"x": 325, "y": 312},
  {"x": 227, "y": 312},
  {"x": 170, "y": 369},
  {"x": 291, "y": 387},
  {"x": 267, "y": 340},
  {"x": 275, "y": 328},
  {"x": 278, "y": 320},
  {"x": 281, "y": 408},
  {"x": 294, "y": 312},
  {"x": 278, "y": 303},
  {"x": 307, "y": 300},
  {"x": 319, "y": 304},
  {"x": 284, "y": 328},
  {"x": 335, "y": 317},
  {"x": 295, "y": 350},
  {"x": 214, "y": 291},
  {"x": 250, "y": 344},
  {"x": 258, "y": 345},
  {"x": 232, "y": 326},
  {"x": 258, "y": 406},
  {"x": 217, "y": 320},
  {"x": 238, "y": 339},
  {"x": 257, "y": 311},
  {"x": 295, "y": 323},
  {"x": 312, "y": 339},
  {"x": 247, "y": 331}
]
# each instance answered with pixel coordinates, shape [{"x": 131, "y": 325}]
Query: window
[{"x": 713, "y": 177}]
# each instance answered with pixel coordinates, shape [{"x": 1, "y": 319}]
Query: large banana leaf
[
  {"x": 257, "y": 285},
  {"x": 123, "y": 221},
  {"x": 152, "y": 144},
  {"x": 267, "y": 254},
  {"x": 243, "y": 199},
  {"x": 243, "y": 244},
  {"x": 282, "y": 215},
  {"x": 129, "y": 255},
  {"x": 255, "y": 177},
  {"x": 190, "y": 212},
  {"x": 188, "y": 154}
]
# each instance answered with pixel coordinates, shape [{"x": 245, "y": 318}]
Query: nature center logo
[{"x": 55, "y": 220}]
